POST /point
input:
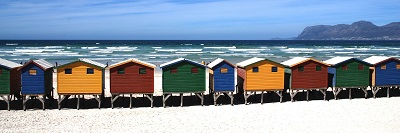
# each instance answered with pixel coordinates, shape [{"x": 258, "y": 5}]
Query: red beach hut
[
  {"x": 307, "y": 74},
  {"x": 132, "y": 76}
]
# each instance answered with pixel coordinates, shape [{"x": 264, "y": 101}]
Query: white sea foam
[
  {"x": 166, "y": 50},
  {"x": 89, "y": 47},
  {"x": 156, "y": 47},
  {"x": 232, "y": 47},
  {"x": 188, "y": 52},
  {"x": 344, "y": 52},
  {"x": 243, "y": 50},
  {"x": 217, "y": 52}
]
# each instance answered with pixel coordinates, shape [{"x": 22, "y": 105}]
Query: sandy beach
[{"x": 356, "y": 115}]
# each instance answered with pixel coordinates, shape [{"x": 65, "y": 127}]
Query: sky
[{"x": 182, "y": 19}]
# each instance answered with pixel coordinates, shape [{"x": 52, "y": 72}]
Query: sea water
[{"x": 161, "y": 51}]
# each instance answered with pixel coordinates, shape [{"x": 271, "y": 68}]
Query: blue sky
[{"x": 182, "y": 19}]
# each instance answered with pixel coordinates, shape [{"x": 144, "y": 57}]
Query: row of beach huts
[{"x": 255, "y": 75}]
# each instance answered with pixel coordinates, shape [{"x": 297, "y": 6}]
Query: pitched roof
[
  {"x": 218, "y": 61},
  {"x": 133, "y": 60},
  {"x": 255, "y": 60},
  {"x": 374, "y": 60},
  {"x": 9, "y": 64},
  {"x": 339, "y": 60},
  {"x": 298, "y": 60},
  {"x": 42, "y": 64},
  {"x": 85, "y": 60},
  {"x": 178, "y": 61}
]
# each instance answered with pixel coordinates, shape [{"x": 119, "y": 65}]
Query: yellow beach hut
[
  {"x": 261, "y": 75},
  {"x": 81, "y": 77}
]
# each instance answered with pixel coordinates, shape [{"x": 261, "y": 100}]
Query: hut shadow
[
  {"x": 137, "y": 102},
  {"x": 31, "y": 104}
]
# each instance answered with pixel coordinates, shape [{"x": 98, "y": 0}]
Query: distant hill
[{"x": 361, "y": 30}]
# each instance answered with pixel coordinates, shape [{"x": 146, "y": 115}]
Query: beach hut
[
  {"x": 307, "y": 74},
  {"x": 348, "y": 73},
  {"x": 222, "y": 79},
  {"x": 36, "y": 80},
  {"x": 261, "y": 75},
  {"x": 10, "y": 80},
  {"x": 385, "y": 73},
  {"x": 80, "y": 77},
  {"x": 183, "y": 76},
  {"x": 131, "y": 76}
]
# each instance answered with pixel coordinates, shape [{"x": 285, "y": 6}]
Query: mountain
[{"x": 361, "y": 30}]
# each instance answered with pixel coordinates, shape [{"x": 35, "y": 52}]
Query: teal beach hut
[{"x": 10, "y": 80}]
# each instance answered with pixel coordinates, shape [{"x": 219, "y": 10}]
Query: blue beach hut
[
  {"x": 36, "y": 80},
  {"x": 221, "y": 78},
  {"x": 385, "y": 72}
]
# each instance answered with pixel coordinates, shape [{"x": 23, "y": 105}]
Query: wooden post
[
  {"x": 374, "y": 91},
  {"x": 77, "y": 105},
  {"x": 365, "y": 92},
  {"x": 130, "y": 101},
  {"x": 23, "y": 102},
  {"x": 232, "y": 98},
  {"x": 215, "y": 99},
  {"x": 163, "y": 97},
  {"x": 388, "y": 90},
  {"x": 8, "y": 102},
  {"x": 181, "y": 99},
  {"x": 262, "y": 97},
  {"x": 349, "y": 93},
  {"x": 307, "y": 95}
]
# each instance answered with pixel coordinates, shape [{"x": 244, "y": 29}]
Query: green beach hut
[
  {"x": 183, "y": 76},
  {"x": 10, "y": 80},
  {"x": 347, "y": 73}
]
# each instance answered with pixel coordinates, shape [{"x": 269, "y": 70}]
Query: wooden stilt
[
  {"x": 307, "y": 95},
  {"x": 293, "y": 94},
  {"x": 374, "y": 91},
  {"x": 97, "y": 97},
  {"x": 349, "y": 93},
  {"x": 323, "y": 91},
  {"x": 150, "y": 98},
  {"x": 262, "y": 97},
  {"x": 24, "y": 102},
  {"x": 181, "y": 95},
  {"x": 42, "y": 100},
  {"x": 77, "y": 105},
  {"x": 245, "y": 97},
  {"x": 232, "y": 98},
  {"x": 365, "y": 92},
  {"x": 130, "y": 101},
  {"x": 388, "y": 91},
  {"x": 280, "y": 95},
  {"x": 8, "y": 102},
  {"x": 113, "y": 99}
]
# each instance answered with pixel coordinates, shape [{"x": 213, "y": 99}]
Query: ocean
[{"x": 161, "y": 51}]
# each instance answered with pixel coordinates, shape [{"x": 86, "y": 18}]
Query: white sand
[{"x": 357, "y": 115}]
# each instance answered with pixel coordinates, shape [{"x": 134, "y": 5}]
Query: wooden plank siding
[
  {"x": 388, "y": 76},
  {"x": 5, "y": 81},
  {"x": 79, "y": 82},
  {"x": 131, "y": 81},
  {"x": 352, "y": 77},
  {"x": 33, "y": 84},
  {"x": 223, "y": 81},
  {"x": 264, "y": 79},
  {"x": 309, "y": 78},
  {"x": 183, "y": 80},
  {"x": 15, "y": 81}
]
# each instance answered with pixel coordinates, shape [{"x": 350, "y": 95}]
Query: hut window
[
  {"x": 255, "y": 69},
  {"x": 344, "y": 67},
  {"x": 274, "y": 69},
  {"x": 174, "y": 70},
  {"x": 360, "y": 67},
  {"x": 121, "y": 70},
  {"x": 68, "y": 71},
  {"x": 142, "y": 71},
  {"x": 224, "y": 70},
  {"x": 195, "y": 70},
  {"x": 398, "y": 66},
  {"x": 89, "y": 71},
  {"x": 318, "y": 68},
  {"x": 301, "y": 68},
  {"x": 32, "y": 72},
  {"x": 383, "y": 67}
]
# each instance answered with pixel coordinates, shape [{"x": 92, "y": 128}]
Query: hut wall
[
  {"x": 224, "y": 81},
  {"x": 79, "y": 82},
  {"x": 388, "y": 76},
  {"x": 309, "y": 78},
  {"x": 5, "y": 81},
  {"x": 183, "y": 80},
  {"x": 331, "y": 76},
  {"x": 15, "y": 83},
  {"x": 32, "y": 84},
  {"x": 131, "y": 81},
  {"x": 241, "y": 79},
  {"x": 352, "y": 77},
  {"x": 264, "y": 79}
]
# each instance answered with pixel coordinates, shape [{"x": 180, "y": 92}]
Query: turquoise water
[{"x": 160, "y": 51}]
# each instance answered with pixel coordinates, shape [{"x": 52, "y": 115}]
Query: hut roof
[
  {"x": 9, "y": 64},
  {"x": 339, "y": 60},
  {"x": 375, "y": 60},
  {"x": 255, "y": 60},
  {"x": 298, "y": 60},
  {"x": 218, "y": 61},
  {"x": 134, "y": 61},
  {"x": 180, "y": 60},
  {"x": 42, "y": 64},
  {"x": 88, "y": 61}
]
